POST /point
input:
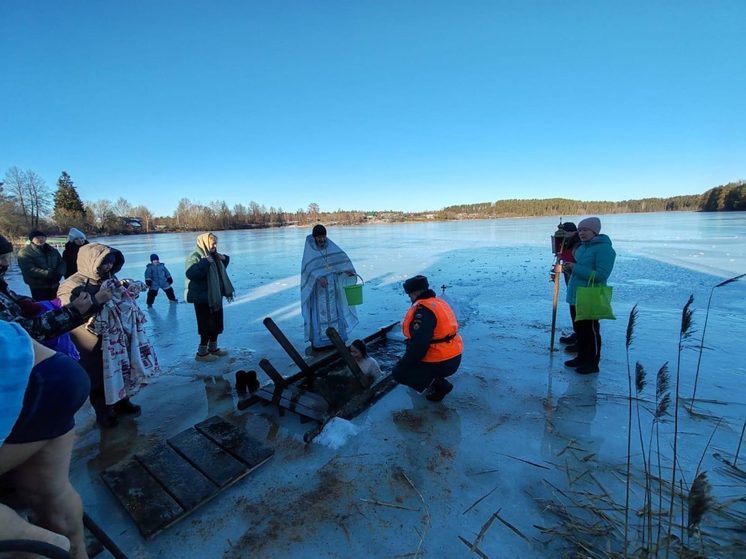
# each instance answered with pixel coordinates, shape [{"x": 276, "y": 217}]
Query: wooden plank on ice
[
  {"x": 238, "y": 443},
  {"x": 214, "y": 462},
  {"x": 187, "y": 485},
  {"x": 151, "y": 508},
  {"x": 296, "y": 400}
]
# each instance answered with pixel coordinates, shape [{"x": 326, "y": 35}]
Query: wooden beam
[
  {"x": 346, "y": 357},
  {"x": 287, "y": 346}
]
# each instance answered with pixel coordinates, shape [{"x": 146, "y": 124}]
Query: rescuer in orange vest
[{"x": 434, "y": 346}]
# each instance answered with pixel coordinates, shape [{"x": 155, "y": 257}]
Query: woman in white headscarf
[
  {"x": 326, "y": 269},
  {"x": 206, "y": 284}
]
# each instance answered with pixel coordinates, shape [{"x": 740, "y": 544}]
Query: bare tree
[
  {"x": 182, "y": 214},
  {"x": 122, "y": 208},
  {"x": 101, "y": 210},
  {"x": 313, "y": 211},
  {"x": 29, "y": 193},
  {"x": 39, "y": 195}
]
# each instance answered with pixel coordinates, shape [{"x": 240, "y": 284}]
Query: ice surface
[{"x": 419, "y": 474}]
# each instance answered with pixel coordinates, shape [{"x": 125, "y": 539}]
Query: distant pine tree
[{"x": 68, "y": 207}]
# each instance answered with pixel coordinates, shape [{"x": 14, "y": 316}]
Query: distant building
[{"x": 132, "y": 222}]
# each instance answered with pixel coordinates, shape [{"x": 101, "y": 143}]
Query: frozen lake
[{"x": 519, "y": 430}]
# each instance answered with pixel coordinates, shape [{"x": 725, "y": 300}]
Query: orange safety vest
[{"x": 446, "y": 342}]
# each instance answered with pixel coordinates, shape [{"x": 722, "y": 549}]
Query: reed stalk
[
  {"x": 630, "y": 334},
  {"x": 662, "y": 402},
  {"x": 704, "y": 330},
  {"x": 738, "y": 448},
  {"x": 640, "y": 375},
  {"x": 684, "y": 333}
]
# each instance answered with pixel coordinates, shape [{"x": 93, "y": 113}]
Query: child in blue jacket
[{"x": 158, "y": 277}]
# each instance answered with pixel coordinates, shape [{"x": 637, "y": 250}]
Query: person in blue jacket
[
  {"x": 158, "y": 277},
  {"x": 593, "y": 256}
]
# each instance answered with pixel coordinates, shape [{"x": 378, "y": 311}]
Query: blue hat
[{"x": 154, "y": 257}]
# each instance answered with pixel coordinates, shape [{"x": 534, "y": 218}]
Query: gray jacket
[{"x": 159, "y": 276}]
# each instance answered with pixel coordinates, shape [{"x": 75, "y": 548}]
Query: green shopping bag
[{"x": 593, "y": 302}]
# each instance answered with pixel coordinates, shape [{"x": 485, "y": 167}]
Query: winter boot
[
  {"x": 126, "y": 407},
  {"x": 569, "y": 340},
  {"x": 587, "y": 369},
  {"x": 204, "y": 355},
  {"x": 246, "y": 382},
  {"x": 575, "y": 362},
  {"x": 106, "y": 418},
  {"x": 438, "y": 389},
  {"x": 213, "y": 348},
  {"x": 571, "y": 348}
]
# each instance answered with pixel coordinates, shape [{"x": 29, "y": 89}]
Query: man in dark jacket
[
  {"x": 434, "y": 345},
  {"x": 41, "y": 266}
]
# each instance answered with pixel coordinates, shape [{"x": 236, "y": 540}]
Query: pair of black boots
[
  {"x": 438, "y": 389},
  {"x": 108, "y": 416},
  {"x": 580, "y": 367},
  {"x": 571, "y": 343},
  {"x": 246, "y": 381}
]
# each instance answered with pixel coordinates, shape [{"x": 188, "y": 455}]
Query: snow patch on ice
[{"x": 336, "y": 433}]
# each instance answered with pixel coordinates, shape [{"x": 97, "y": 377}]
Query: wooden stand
[
  {"x": 292, "y": 393},
  {"x": 161, "y": 486}
]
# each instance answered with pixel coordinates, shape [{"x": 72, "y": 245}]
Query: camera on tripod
[{"x": 558, "y": 246}]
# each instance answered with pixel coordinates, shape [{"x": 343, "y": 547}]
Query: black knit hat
[
  {"x": 318, "y": 230},
  {"x": 36, "y": 233},
  {"x": 417, "y": 283},
  {"x": 5, "y": 245},
  {"x": 154, "y": 256},
  {"x": 569, "y": 227}
]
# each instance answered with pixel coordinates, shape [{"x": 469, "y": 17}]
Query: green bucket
[{"x": 354, "y": 293}]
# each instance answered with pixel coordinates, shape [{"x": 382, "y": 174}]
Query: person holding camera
[
  {"x": 113, "y": 347},
  {"x": 570, "y": 242},
  {"x": 594, "y": 256}
]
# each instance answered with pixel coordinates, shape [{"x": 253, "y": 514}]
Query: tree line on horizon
[{"x": 27, "y": 203}]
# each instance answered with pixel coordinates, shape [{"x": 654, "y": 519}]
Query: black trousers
[
  {"x": 420, "y": 375},
  {"x": 153, "y": 293},
  {"x": 92, "y": 360},
  {"x": 572, "y": 317},
  {"x": 209, "y": 323},
  {"x": 588, "y": 333}
]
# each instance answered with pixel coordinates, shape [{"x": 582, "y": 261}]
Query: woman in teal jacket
[{"x": 593, "y": 256}]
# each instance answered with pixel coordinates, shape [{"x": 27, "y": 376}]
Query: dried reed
[
  {"x": 630, "y": 334},
  {"x": 704, "y": 329},
  {"x": 687, "y": 322},
  {"x": 700, "y": 502}
]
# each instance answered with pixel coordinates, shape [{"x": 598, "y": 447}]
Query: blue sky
[{"x": 409, "y": 105}]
